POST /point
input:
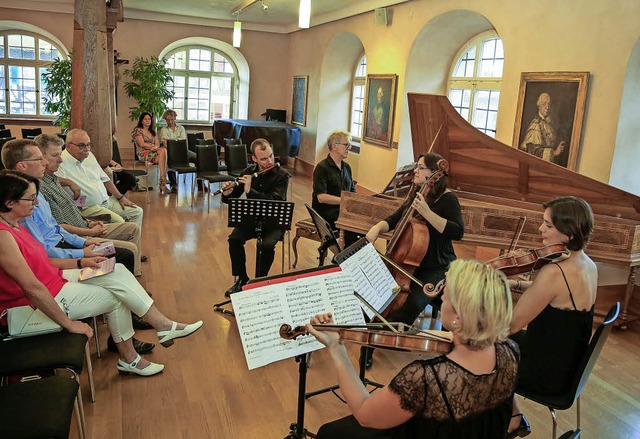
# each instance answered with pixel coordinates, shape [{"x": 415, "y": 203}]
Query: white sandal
[
  {"x": 151, "y": 369},
  {"x": 166, "y": 337}
]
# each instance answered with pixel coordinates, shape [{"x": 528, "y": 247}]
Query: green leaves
[
  {"x": 148, "y": 85},
  {"x": 57, "y": 85}
]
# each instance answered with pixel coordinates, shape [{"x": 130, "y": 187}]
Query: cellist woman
[{"x": 442, "y": 214}]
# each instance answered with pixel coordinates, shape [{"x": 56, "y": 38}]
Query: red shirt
[{"x": 11, "y": 293}]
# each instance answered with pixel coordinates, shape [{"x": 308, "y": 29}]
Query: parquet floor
[{"x": 206, "y": 390}]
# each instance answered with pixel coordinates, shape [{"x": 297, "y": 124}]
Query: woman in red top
[{"x": 29, "y": 277}]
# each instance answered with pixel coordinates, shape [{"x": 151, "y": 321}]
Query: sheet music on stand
[
  {"x": 292, "y": 300},
  {"x": 261, "y": 308},
  {"x": 371, "y": 278}
]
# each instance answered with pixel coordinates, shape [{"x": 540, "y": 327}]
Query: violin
[
  {"x": 425, "y": 341},
  {"x": 530, "y": 260}
]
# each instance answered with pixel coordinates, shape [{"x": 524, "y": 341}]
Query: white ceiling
[{"x": 280, "y": 17}]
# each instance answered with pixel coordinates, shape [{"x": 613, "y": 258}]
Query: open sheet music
[{"x": 294, "y": 300}]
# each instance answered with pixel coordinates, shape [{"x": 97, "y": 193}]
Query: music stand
[
  {"x": 258, "y": 215},
  {"x": 327, "y": 236}
]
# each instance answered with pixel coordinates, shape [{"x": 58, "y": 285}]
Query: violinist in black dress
[
  {"x": 556, "y": 307},
  {"x": 466, "y": 393},
  {"x": 442, "y": 214}
]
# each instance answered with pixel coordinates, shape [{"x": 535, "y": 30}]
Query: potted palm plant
[
  {"x": 57, "y": 87},
  {"x": 148, "y": 85}
]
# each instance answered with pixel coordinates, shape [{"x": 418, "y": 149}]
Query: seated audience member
[
  {"x": 29, "y": 277},
  {"x": 270, "y": 185},
  {"x": 148, "y": 147},
  {"x": 103, "y": 198},
  {"x": 556, "y": 307},
  {"x": 465, "y": 394},
  {"x": 65, "y": 212},
  {"x": 332, "y": 176},
  {"x": 123, "y": 179},
  {"x": 173, "y": 131}
]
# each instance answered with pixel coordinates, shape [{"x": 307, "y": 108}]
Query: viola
[
  {"x": 529, "y": 260},
  {"x": 425, "y": 341},
  {"x": 410, "y": 241}
]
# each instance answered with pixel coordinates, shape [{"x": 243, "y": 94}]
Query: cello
[{"x": 410, "y": 241}]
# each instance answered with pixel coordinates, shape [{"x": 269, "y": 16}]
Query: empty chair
[
  {"x": 2, "y": 127},
  {"x": 38, "y": 408},
  {"x": 178, "y": 157},
  {"x": 31, "y": 133},
  {"x": 192, "y": 141},
  {"x": 236, "y": 159},
  {"x": 565, "y": 401},
  {"x": 207, "y": 166},
  {"x": 212, "y": 142},
  {"x": 4, "y": 133},
  {"x": 232, "y": 141}
]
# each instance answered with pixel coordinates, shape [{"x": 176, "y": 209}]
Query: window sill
[{"x": 25, "y": 121}]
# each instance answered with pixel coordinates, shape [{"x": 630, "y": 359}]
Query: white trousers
[{"x": 116, "y": 294}]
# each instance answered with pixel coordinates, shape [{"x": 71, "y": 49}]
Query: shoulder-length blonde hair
[{"x": 481, "y": 297}]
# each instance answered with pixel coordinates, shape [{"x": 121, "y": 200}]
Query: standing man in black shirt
[
  {"x": 332, "y": 176},
  {"x": 269, "y": 185}
]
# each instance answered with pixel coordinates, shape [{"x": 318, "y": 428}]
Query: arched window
[
  {"x": 205, "y": 82},
  {"x": 357, "y": 99},
  {"x": 24, "y": 58},
  {"x": 475, "y": 79}
]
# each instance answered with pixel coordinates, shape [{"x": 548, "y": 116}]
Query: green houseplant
[
  {"x": 57, "y": 86},
  {"x": 148, "y": 85}
]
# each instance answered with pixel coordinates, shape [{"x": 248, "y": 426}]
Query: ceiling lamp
[
  {"x": 237, "y": 32},
  {"x": 305, "y": 14}
]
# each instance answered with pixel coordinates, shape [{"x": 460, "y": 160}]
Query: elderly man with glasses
[
  {"x": 103, "y": 198},
  {"x": 332, "y": 176}
]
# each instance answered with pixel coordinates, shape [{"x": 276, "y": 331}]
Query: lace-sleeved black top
[{"x": 451, "y": 402}]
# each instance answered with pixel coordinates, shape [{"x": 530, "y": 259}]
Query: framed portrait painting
[
  {"x": 379, "y": 109},
  {"x": 550, "y": 115},
  {"x": 299, "y": 100}
]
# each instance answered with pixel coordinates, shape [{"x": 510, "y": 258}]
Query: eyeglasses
[
  {"x": 32, "y": 200},
  {"x": 343, "y": 144},
  {"x": 37, "y": 159},
  {"x": 81, "y": 145}
]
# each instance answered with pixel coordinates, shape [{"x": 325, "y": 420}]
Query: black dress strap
[
  {"x": 444, "y": 397},
  {"x": 568, "y": 288}
]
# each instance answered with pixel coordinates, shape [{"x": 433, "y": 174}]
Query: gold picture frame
[
  {"x": 379, "y": 109},
  {"x": 299, "y": 100},
  {"x": 550, "y": 115}
]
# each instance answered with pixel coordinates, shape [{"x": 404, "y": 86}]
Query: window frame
[
  {"x": 39, "y": 65},
  {"x": 475, "y": 83},
  {"x": 357, "y": 81},
  {"x": 211, "y": 75}
]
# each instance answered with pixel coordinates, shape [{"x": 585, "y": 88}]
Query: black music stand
[
  {"x": 258, "y": 215},
  {"x": 327, "y": 236}
]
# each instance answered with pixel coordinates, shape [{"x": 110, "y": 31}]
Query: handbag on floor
[{"x": 25, "y": 321}]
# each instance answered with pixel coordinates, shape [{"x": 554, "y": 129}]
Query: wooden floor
[{"x": 206, "y": 390}]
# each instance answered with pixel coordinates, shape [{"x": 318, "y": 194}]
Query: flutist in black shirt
[{"x": 271, "y": 183}]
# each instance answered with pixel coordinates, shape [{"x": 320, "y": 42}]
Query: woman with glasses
[
  {"x": 148, "y": 148},
  {"x": 29, "y": 277},
  {"x": 443, "y": 217},
  {"x": 173, "y": 131}
]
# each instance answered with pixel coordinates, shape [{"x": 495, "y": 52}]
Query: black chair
[
  {"x": 4, "y": 133},
  {"x": 565, "y": 401},
  {"x": 31, "y": 133},
  {"x": 137, "y": 173},
  {"x": 236, "y": 159},
  {"x": 49, "y": 352},
  {"x": 38, "y": 408},
  {"x": 207, "y": 166},
  {"x": 178, "y": 157},
  {"x": 212, "y": 142},
  {"x": 228, "y": 141},
  {"x": 192, "y": 141},
  {"x": 2, "y": 127}
]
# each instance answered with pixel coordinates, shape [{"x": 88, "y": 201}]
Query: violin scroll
[
  {"x": 431, "y": 290},
  {"x": 289, "y": 333}
]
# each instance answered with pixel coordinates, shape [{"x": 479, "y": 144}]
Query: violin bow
[
  {"x": 376, "y": 313},
  {"x": 400, "y": 269},
  {"x": 516, "y": 235},
  {"x": 435, "y": 138}
]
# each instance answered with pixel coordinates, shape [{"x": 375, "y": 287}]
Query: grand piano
[{"x": 497, "y": 185}]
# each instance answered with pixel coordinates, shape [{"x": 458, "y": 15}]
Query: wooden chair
[{"x": 565, "y": 400}]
